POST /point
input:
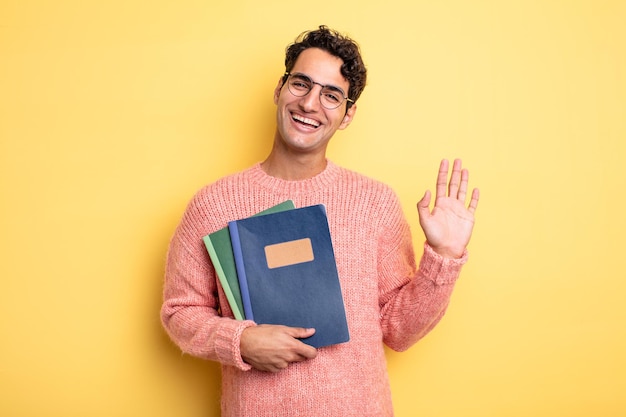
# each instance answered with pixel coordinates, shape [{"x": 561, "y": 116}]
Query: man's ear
[
  {"x": 347, "y": 119},
  {"x": 277, "y": 90}
]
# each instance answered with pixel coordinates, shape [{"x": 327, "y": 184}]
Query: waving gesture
[{"x": 448, "y": 227}]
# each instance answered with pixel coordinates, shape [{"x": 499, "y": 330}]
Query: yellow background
[{"x": 113, "y": 113}]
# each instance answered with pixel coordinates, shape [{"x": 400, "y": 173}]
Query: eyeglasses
[{"x": 331, "y": 97}]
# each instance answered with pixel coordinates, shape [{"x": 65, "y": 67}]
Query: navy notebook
[{"x": 287, "y": 272}]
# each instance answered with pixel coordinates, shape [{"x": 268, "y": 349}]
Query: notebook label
[{"x": 289, "y": 253}]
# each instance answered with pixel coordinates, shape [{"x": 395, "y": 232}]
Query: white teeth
[{"x": 305, "y": 120}]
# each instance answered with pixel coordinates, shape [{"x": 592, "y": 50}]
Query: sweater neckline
[{"x": 322, "y": 180}]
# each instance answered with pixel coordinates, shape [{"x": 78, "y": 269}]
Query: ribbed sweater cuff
[
  {"x": 440, "y": 270},
  {"x": 227, "y": 343}
]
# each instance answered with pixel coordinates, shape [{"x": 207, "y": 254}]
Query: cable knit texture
[{"x": 387, "y": 299}]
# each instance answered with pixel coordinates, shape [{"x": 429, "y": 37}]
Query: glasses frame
[{"x": 304, "y": 76}]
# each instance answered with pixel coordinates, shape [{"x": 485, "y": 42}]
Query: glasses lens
[
  {"x": 331, "y": 97},
  {"x": 299, "y": 85}
]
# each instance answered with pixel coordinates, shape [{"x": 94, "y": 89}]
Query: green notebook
[{"x": 220, "y": 250}]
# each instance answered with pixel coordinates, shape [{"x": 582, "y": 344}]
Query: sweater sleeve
[
  {"x": 190, "y": 311},
  {"x": 413, "y": 300}
]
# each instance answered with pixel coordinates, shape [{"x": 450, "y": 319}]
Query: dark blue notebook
[{"x": 287, "y": 273}]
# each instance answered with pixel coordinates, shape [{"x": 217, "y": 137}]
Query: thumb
[
  {"x": 422, "y": 205},
  {"x": 301, "y": 332}
]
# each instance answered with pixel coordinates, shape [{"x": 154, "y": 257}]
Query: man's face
[{"x": 303, "y": 124}]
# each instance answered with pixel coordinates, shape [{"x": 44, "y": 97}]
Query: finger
[
  {"x": 455, "y": 179},
  {"x": 473, "y": 204},
  {"x": 306, "y": 352},
  {"x": 300, "y": 332},
  {"x": 279, "y": 366},
  {"x": 442, "y": 179},
  {"x": 463, "y": 186},
  {"x": 423, "y": 204},
  {"x": 302, "y": 351}
]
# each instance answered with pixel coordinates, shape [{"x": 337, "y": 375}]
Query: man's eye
[
  {"x": 301, "y": 85},
  {"x": 333, "y": 97}
]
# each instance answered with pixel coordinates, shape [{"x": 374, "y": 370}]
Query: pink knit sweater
[{"x": 386, "y": 299}]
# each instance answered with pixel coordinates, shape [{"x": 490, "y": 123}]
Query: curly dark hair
[{"x": 336, "y": 44}]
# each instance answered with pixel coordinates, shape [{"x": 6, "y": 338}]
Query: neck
[{"x": 292, "y": 166}]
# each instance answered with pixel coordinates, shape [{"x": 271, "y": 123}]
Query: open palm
[{"x": 448, "y": 227}]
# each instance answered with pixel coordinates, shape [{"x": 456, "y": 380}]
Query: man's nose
[{"x": 311, "y": 101}]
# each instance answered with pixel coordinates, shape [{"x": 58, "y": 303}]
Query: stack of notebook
[{"x": 278, "y": 267}]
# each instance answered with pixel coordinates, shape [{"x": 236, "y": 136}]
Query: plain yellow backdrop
[{"x": 113, "y": 113}]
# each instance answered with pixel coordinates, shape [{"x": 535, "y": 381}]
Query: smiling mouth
[{"x": 305, "y": 121}]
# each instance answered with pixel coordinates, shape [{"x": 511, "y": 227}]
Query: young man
[{"x": 266, "y": 369}]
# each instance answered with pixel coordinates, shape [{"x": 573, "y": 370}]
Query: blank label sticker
[{"x": 289, "y": 253}]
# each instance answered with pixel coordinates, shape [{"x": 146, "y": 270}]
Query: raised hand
[{"x": 448, "y": 227}]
